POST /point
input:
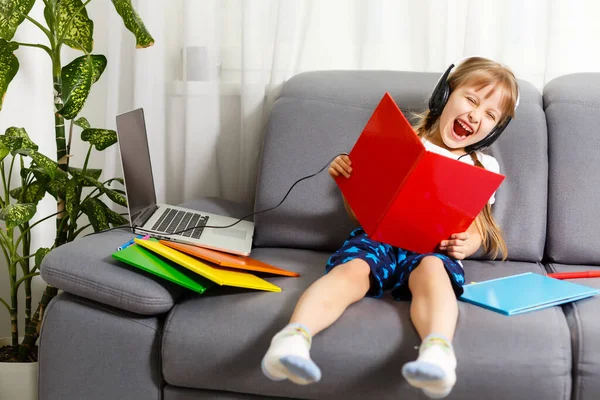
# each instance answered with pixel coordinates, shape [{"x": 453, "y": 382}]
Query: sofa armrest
[{"x": 86, "y": 268}]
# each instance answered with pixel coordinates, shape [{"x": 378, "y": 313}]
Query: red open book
[{"x": 405, "y": 195}]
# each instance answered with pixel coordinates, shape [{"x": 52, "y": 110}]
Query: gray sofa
[{"x": 117, "y": 333}]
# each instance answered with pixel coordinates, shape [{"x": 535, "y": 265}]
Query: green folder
[{"x": 148, "y": 261}]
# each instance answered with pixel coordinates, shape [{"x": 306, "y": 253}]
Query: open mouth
[{"x": 460, "y": 130}]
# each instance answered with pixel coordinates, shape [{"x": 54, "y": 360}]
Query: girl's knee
[
  {"x": 428, "y": 268},
  {"x": 355, "y": 271}
]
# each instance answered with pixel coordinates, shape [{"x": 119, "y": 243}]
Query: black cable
[{"x": 239, "y": 220}]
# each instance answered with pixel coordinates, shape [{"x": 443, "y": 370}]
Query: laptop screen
[{"x": 135, "y": 157}]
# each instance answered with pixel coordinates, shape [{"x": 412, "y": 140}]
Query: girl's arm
[
  {"x": 474, "y": 240},
  {"x": 349, "y": 211}
]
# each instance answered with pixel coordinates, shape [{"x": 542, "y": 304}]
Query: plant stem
[
  {"x": 5, "y": 304},
  {"x": 77, "y": 232},
  {"x": 42, "y": 28},
  {"x": 70, "y": 137},
  {"x": 10, "y": 171},
  {"x": 87, "y": 158},
  {"x": 5, "y": 187},
  {"x": 26, "y": 278},
  {"x": 32, "y": 331},
  {"x": 29, "y": 228},
  {"x": 90, "y": 195},
  {"x": 73, "y": 224},
  {"x": 25, "y": 267},
  {"x": 61, "y": 146},
  {"x": 19, "y": 259},
  {"x": 40, "y": 46},
  {"x": 14, "y": 303},
  {"x": 24, "y": 260}
]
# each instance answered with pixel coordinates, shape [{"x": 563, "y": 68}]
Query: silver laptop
[{"x": 164, "y": 221}]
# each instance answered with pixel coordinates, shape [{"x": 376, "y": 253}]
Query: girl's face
[{"x": 470, "y": 114}]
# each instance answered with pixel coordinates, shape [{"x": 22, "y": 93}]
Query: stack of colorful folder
[{"x": 198, "y": 268}]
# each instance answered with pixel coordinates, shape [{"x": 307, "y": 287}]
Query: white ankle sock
[
  {"x": 434, "y": 369},
  {"x": 288, "y": 357}
]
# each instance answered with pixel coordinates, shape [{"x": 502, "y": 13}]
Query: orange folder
[
  {"x": 228, "y": 260},
  {"x": 406, "y": 196}
]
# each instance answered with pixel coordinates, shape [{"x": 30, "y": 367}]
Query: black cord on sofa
[{"x": 230, "y": 225}]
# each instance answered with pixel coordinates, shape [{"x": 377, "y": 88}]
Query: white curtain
[
  {"x": 209, "y": 81},
  {"x": 217, "y": 65}
]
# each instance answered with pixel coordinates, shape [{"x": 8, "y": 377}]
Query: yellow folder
[{"x": 219, "y": 275}]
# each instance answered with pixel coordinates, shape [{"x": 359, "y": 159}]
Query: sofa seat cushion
[
  {"x": 216, "y": 341},
  {"x": 584, "y": 323}
]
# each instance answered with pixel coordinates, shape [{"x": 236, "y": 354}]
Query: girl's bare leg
[
  {"x": 434, "y": 312},
  {"x": 318, "y": 308}
]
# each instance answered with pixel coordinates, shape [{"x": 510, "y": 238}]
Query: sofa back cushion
[
  {"x": 321, "y": 114},
  {"x": 572, "y": 106}
]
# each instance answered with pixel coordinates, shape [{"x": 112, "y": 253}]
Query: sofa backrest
[
  {"x": 572, "y": 107},
  {"x": 320, "y": 114}
]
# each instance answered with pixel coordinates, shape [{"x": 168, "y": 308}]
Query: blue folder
[{"x": 522, "y": 293}]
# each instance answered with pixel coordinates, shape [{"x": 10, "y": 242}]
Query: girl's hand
[
  {"x": 457, "y": 246},
  {"x": 341, "y": 165}
]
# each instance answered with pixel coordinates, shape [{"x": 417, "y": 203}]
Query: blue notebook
[{"x": 522, "y": 293}]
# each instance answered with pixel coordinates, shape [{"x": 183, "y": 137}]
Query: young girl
[{"x": 482, "y": 99}]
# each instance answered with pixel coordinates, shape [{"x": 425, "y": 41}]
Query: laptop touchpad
[{"x": 230, "y": 232}]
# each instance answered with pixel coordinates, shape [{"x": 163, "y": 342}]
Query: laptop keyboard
[{"x": 176, "y": 220}]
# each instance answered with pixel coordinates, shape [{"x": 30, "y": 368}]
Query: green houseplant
[{"x": 80, "y": 195}]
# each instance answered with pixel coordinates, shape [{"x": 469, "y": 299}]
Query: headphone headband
[{"x": 441, "y": 94}]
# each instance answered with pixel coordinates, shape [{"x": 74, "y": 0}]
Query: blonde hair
[{"x": 480, "y": 72}]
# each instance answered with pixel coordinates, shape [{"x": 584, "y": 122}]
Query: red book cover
[{"x": 406, "y": 196}]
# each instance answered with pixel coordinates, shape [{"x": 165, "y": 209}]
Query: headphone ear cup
[{"x": 441, "y": 93}]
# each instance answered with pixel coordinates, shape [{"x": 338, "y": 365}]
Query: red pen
[{"x": 575, "y": 275}]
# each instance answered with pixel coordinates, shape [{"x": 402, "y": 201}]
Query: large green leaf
[
  {"x": 39, "y": 256},
  {"x": 100, "y": 138},
  {"x": 17, "y": 214},
  {"x": 49, "y": 15},
  {"x": 96, "y": 212},
  {"x": 82, "y": 122},
  {"x": 4, "y": 151},
  {"x": 49, "y": 166},
  {"x": 110, "y": 193},
  {"x": 34, "y": 192},
  {"x": 110, "y": 181},
  {"x": 55, "y": 186},
  {"x": 133, "y": 22},
  {"x": 77, "y": 79},
  {"x": 93, "y": 173},
  {"x": 114, "y": 217},
  {"x": 71, "y": 198},
  {"x": 17, "y": 138},
  {"x": 115, "y": 196},
  {"x": 12, "y": 13},
  {"x": 80, "y": 30},
  {"x": 9, "y": 65}
]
